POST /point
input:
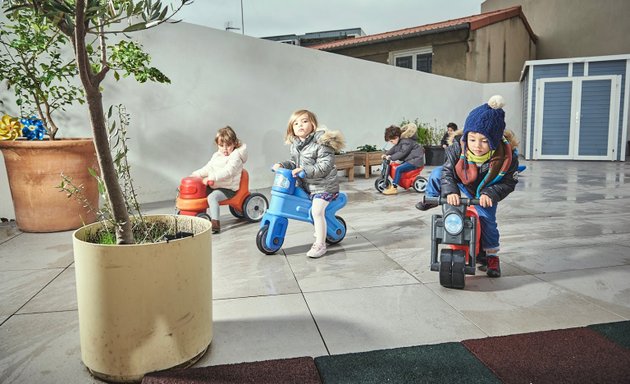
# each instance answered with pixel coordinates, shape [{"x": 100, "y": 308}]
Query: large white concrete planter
[{"x": 144, "y": 308}]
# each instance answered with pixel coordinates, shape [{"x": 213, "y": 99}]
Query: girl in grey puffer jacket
[{"x": 313, "y": 151}]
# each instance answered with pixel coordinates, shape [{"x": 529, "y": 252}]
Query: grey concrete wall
[{"x": 254, "y": 85}]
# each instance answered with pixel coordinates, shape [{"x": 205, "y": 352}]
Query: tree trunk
[{"x": 94, "y": 98}]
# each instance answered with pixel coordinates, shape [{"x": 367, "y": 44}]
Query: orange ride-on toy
[
  {"x": 407, "y": 180},
  {"x": 192, "y": 201}
]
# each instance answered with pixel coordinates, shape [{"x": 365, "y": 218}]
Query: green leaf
[{"x": 135, "y": 27}]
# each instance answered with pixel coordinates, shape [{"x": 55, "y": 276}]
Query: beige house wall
[
  {"x": 495, "y": 53},
  {"x": 499, "y": 51},
  {"x": 574, "y": 28}
]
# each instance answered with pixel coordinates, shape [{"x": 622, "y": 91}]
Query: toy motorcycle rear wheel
[
  {"x": 420, "y": 184},
  {"x": 452, "y": 264},
  {"x": 255, "y": 207},
  {"x": 330, "y": 240},
  {"x": 260, "y": 242},
  {"x": 381, "y": 184},
  {"x": 203, "y": 215}
]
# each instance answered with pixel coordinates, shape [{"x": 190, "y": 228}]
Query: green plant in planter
[
  {"x": 87, "y": 24},
  {"x": 368, "y": 148},
  {"x": 32, "y": 62},
  {"x": 143, "y": 230},
  {"x": 428, "y": 135}
]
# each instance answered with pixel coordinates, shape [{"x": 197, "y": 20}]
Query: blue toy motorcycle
[{"x": 289, "y": 201}]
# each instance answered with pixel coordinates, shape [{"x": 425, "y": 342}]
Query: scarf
[
  {"x": 472, "y": 158},
  {"x": 500, "y": 161}
]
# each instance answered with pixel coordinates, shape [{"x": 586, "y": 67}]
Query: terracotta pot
[
  {"x": 144, "y": 307},
  {"x": 34, "y": 170}
]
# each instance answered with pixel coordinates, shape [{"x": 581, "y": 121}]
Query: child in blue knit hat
[{"x": 482, "y": 165}]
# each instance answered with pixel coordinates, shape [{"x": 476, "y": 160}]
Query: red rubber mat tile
[{"x": 577, "y": 355}]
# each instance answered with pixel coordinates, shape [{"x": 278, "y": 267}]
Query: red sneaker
[{"x": 494, "y": 268}]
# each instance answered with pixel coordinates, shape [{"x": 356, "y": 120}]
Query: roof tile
[{"x": 475, "y": 22}]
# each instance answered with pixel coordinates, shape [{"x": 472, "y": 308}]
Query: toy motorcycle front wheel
[
  {"x": 452, "y": 264},
  {"x": 341, "y": 233},
  {"x": 381, "y": 184},
  {"x": 262, "y": 245}
]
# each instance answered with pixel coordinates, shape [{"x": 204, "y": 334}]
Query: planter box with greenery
[
  {"x": 345, "y": 162},
  {"x": 367, "y": 156}
]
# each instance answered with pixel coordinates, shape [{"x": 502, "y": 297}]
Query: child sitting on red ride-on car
[
  {"x": 405, "y": 150},
  {"x": 223, "y": 171}
]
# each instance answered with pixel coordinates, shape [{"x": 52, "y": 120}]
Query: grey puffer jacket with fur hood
[
  {"x": 316, "y": 156},
  {"x": 408, "y": 149}
]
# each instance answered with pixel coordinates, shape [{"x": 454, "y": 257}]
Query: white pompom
[{"x": 496, "y": 102}]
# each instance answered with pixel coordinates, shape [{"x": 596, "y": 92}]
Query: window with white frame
[{"x": 418, "y": 59}]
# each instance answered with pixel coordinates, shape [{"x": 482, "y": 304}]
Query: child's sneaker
[
  {"x": 494, "y": 268},
  {"x": 317, "y": 250},
  {"x": 391, "y": 190}
]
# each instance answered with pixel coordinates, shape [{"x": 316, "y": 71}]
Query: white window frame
[{"x": 410, "y": 52}]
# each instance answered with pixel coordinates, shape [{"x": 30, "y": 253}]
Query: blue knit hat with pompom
[{"x": 487, "y": 119}]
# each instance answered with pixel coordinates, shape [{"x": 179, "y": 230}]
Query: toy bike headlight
[
  {"x": 281, "y": 181},
  {"x": 453, "y": 223}
]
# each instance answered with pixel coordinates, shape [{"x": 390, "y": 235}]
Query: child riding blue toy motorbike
[{"x": 289, "y": 201}]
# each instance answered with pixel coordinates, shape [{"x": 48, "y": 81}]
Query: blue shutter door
[
  {"x": 594, "y": 118},
  {"x": 556, "y": 119}
]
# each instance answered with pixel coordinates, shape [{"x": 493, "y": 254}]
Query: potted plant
[
  {"x": 142, "y": 306},
  {"x": 31, "y": 61},
  {"x": 368, "y": 155},
  {"x": 429, "y": 137}
]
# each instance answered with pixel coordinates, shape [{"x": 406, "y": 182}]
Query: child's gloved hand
[
  {"x": 296, "y": 171},
  {"x": 485, "y": 201},
  {"x": 208, "y": 182}
]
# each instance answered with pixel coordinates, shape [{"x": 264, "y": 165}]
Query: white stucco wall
[{"x": 221, "y": 78}]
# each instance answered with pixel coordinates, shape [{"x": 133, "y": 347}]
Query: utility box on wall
[{"x": 576, "y": 109}]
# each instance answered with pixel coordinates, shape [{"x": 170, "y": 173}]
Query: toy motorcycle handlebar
[
  {"x": 301, "y": 175},
  {"x": 442, "y": 200}
]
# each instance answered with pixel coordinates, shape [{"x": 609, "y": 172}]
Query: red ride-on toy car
[
  {"x": 192, "y": 201},
  {"x": 407, "y": 180}
]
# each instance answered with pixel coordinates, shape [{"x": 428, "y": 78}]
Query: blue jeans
[
  {"x": 487, "y": 216},
  {"x": 402, "y": 168}
]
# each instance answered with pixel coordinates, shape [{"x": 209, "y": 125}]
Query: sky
[{"x": 263, "y": 18}]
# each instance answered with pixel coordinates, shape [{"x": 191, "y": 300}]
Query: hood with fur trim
[
  {"x": 409, "y": 131},
  {"x": 333, "y": 139}
]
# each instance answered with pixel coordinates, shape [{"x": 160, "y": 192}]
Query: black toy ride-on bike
[{"x": 459, "y": 228}]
